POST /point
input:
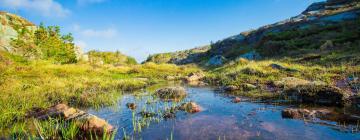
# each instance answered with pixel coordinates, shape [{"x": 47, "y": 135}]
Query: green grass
[
  {"x": 260, "y": 72},
  {"x": 40, "y": 84}
]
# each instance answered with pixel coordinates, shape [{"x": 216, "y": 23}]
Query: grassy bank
[
  {"x": 263, "y": 74},
  {"x": 39, "y": 84}
]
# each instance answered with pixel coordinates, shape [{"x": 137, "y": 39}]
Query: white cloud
[
  {"x": 84, "y": 2},
  {"x": 80, "y": 43},
  {"x": 93, "y": 33},
  {"x": 44, "y": 7}
]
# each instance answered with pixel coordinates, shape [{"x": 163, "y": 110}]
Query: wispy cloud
[
  {"x": 95, "y": 33},
  {"x": 85, "y": 2},
  {"x": 80, "y": 43},
  {"x": 47, "y": 8}
]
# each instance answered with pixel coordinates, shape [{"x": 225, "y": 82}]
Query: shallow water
[{"x": 219, "y": 119}]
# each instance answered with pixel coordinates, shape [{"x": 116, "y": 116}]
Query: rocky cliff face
[
  {"x": 10, "y": 25},
  {"x": 243, "y": 45}
]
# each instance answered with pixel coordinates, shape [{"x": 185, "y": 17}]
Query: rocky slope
[
  {"x": 255, "y": 44},
  {"x": 10, "y": 25},
  {"x": 14, "y": 27}
]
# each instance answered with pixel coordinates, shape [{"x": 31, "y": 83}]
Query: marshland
[{"x": 293, "y": 79}]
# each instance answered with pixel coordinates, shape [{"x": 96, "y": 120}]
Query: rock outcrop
[
  {"x": 318, "y": 113},
  {"x": 312, "y": 91},
  {"x": 9, "y": 24},
  {"x": 319, "y": 94},
  {"x": 86, "y": 122},
  {"x": 249, "y": 45}
]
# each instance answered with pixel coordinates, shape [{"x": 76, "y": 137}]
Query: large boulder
[
  {"x": 171, "y": 93},
  {"x": 92, "y": 124}
]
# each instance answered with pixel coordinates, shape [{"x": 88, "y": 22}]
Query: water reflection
[{"x": 219, "y": 119}]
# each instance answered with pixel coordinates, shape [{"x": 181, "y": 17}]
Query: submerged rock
[
  {"x": 169, "y": 115},
  {"x": 236, "y": 100},
  {"x": 131, "y": 106},
  {"x": 190, "y": 107},
  {"x": 297, "y": 113},
  {"x": 171, "y": 93}
]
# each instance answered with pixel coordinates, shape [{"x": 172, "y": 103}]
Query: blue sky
[{"x": 142, "y": 27}]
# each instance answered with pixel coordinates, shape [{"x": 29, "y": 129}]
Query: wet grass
[
  {"x": 54, "y": 129},
  {"x": 40, "y": 84}
]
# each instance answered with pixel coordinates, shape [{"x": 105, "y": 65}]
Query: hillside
[
  {"x": 10, "y": 25},
  {"x": 322, "y": 29},
  {"x": 294, "y": 79},
  {"x": 22, "y": 38}
]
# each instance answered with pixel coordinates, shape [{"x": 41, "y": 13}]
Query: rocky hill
[
  {"x": 10, "y": 25},
  {"x": 22, "y": 38},
  {"x": 329, "y": 23}
]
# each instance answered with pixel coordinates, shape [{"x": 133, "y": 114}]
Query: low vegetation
[{"x": 45, "y": 69}]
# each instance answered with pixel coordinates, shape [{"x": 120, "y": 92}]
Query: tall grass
[{"x": 40, "y": 84}]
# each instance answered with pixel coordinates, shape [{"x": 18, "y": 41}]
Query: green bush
[{"x": 114, "y": 58}]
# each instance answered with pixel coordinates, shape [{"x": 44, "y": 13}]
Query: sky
[{"x": 142, "y": 27}]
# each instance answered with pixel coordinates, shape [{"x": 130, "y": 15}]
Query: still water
[{"x": 219, "y": 119}]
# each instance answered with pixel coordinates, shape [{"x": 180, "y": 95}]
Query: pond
[{"x": 220, "y": 118}]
